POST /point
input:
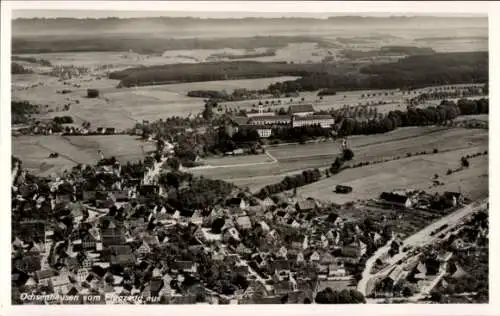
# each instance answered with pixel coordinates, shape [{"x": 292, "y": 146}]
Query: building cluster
[
  {"x": 420, "y": 199},
  {"x": 298, "y": 116},
  {"x": 123, "y": 239}
]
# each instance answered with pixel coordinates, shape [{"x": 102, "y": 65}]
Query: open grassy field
[
  {"x": 409, "y": 173},
  {"x": 237, "y": 160},
  {"x": 295, "y": 158},
  {"x": 34, "y": 150}
]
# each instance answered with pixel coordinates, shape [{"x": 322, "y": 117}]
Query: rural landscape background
[{"x": 185, "y": 160}]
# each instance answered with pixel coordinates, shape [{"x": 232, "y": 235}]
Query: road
[{"x": 419, "y": 239}]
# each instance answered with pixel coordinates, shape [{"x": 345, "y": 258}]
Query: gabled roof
[
  {"x": 244, "y": 222},
  {"x": 45, "y": 274},
  {"x": 239, "y": 120},
  {"x": 307, "y": 204}
]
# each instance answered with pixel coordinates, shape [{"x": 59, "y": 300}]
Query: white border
[{"x": 359, "y": 8}]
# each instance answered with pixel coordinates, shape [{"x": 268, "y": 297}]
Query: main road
[{"x": 419, "y": 239}]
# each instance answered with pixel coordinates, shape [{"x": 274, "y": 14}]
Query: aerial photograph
[{"x": 285, "y": 158}]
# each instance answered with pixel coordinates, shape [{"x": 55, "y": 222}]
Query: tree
[
  {"x": 465, "y": 162},
  {"x": 347, "y": 154},
  {"x": 92, "y": 93},
  {"x": 208, "y": 111},
  {"x": 217, "y": 225},
  {"x": 173, "y": 163},
  {"x": 407, "y": 292},
  {"x": 436, "y": 296}
]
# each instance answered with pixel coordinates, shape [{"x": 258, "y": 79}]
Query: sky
[{"x": 136, "y": 14}]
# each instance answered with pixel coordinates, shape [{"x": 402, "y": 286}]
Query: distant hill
[{"x": 188, "y": 26}]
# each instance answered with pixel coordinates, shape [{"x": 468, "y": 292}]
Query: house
[
  {"x": 148, "y": 243},
  {"x": 43, "y": 277},
  {"x": 109, "y": 130},
  {"x": 301, "y": 109},
  {"x": 336, "y": 271},
  {"x": 112, "y": 237},
  {"x": 231, "y": 234},
  {"x": 148, "y": 190},
  {"x": 306, "y": 205},
  {"x": 315, "y": 257},
  {"x": 355, "y": 249},
  {"x": 236, "y": 203},
  {"x": 186, "y": 266},
  {"x": 243, "y": 223},
  {"x": 393, "y": 277},
  {"x": 60, "y": 283},
  {"x": 456, "y": 271},
  {"x": 77, "y": 211},
  {"x": 234, "y": 123},
  {"x": 88, "y": 241},
  {"x": 28, "y": 263},
  {"x": 397, "y": 199},
  {"x": 121, "y": 256},
  {"x": 268, "y": 203}
]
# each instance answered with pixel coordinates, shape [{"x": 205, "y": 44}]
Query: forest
[{"x": 408, "y": 73}]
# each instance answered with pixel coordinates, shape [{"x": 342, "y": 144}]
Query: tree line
[
  {"x": 446, "y": 111},
  {"x": 408, "y": 73},
  {"x": 290, "y": 182}
]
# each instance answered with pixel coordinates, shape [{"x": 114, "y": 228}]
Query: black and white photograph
[{"x": 165, "y": 157}]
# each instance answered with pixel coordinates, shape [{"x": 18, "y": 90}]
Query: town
[{"x": 185, "y": 172}]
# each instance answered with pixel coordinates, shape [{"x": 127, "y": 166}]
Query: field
[
  {"x": 34, "y": 150},
  {"x": 295, "y": 158},
  {"x": 235, "y": 160},
  {"x": 409, "y": 173},
  {"x": 395, "y": 99},
  {"x": 119, "y": 108}
]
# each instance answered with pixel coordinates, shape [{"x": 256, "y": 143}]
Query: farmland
[
  {"x": 295, "y": 158},
  {"x": 34, "y": 150},
  {"x": 119, "y": 108},
  {"x": 409, "y": 173}
]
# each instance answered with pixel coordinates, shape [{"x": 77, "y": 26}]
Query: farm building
[
  {"x": 301, "y": 109},
  {"x": 343, "y": 189},
  {"x": 109, "y": 130},
  {"x": 396, "y": 199}
]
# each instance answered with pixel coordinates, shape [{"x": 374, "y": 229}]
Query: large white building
[{"x": 325, "y": 121}]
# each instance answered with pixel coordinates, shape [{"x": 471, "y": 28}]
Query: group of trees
[
  {"x": 329, "y": 296},
  {"x": 299, "y": 134},
  {"x": 290, "y": 182},
  {"x": 450, "y": 94},
  {"x": 20, "y": 111},
  {"x": 446, "y": 111},
  {"x": 63, "y": 120},
  {"x": 201, "y": 193},
  {"x": 18, "y": 69},
  {"x": 410, "y": 72}
]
